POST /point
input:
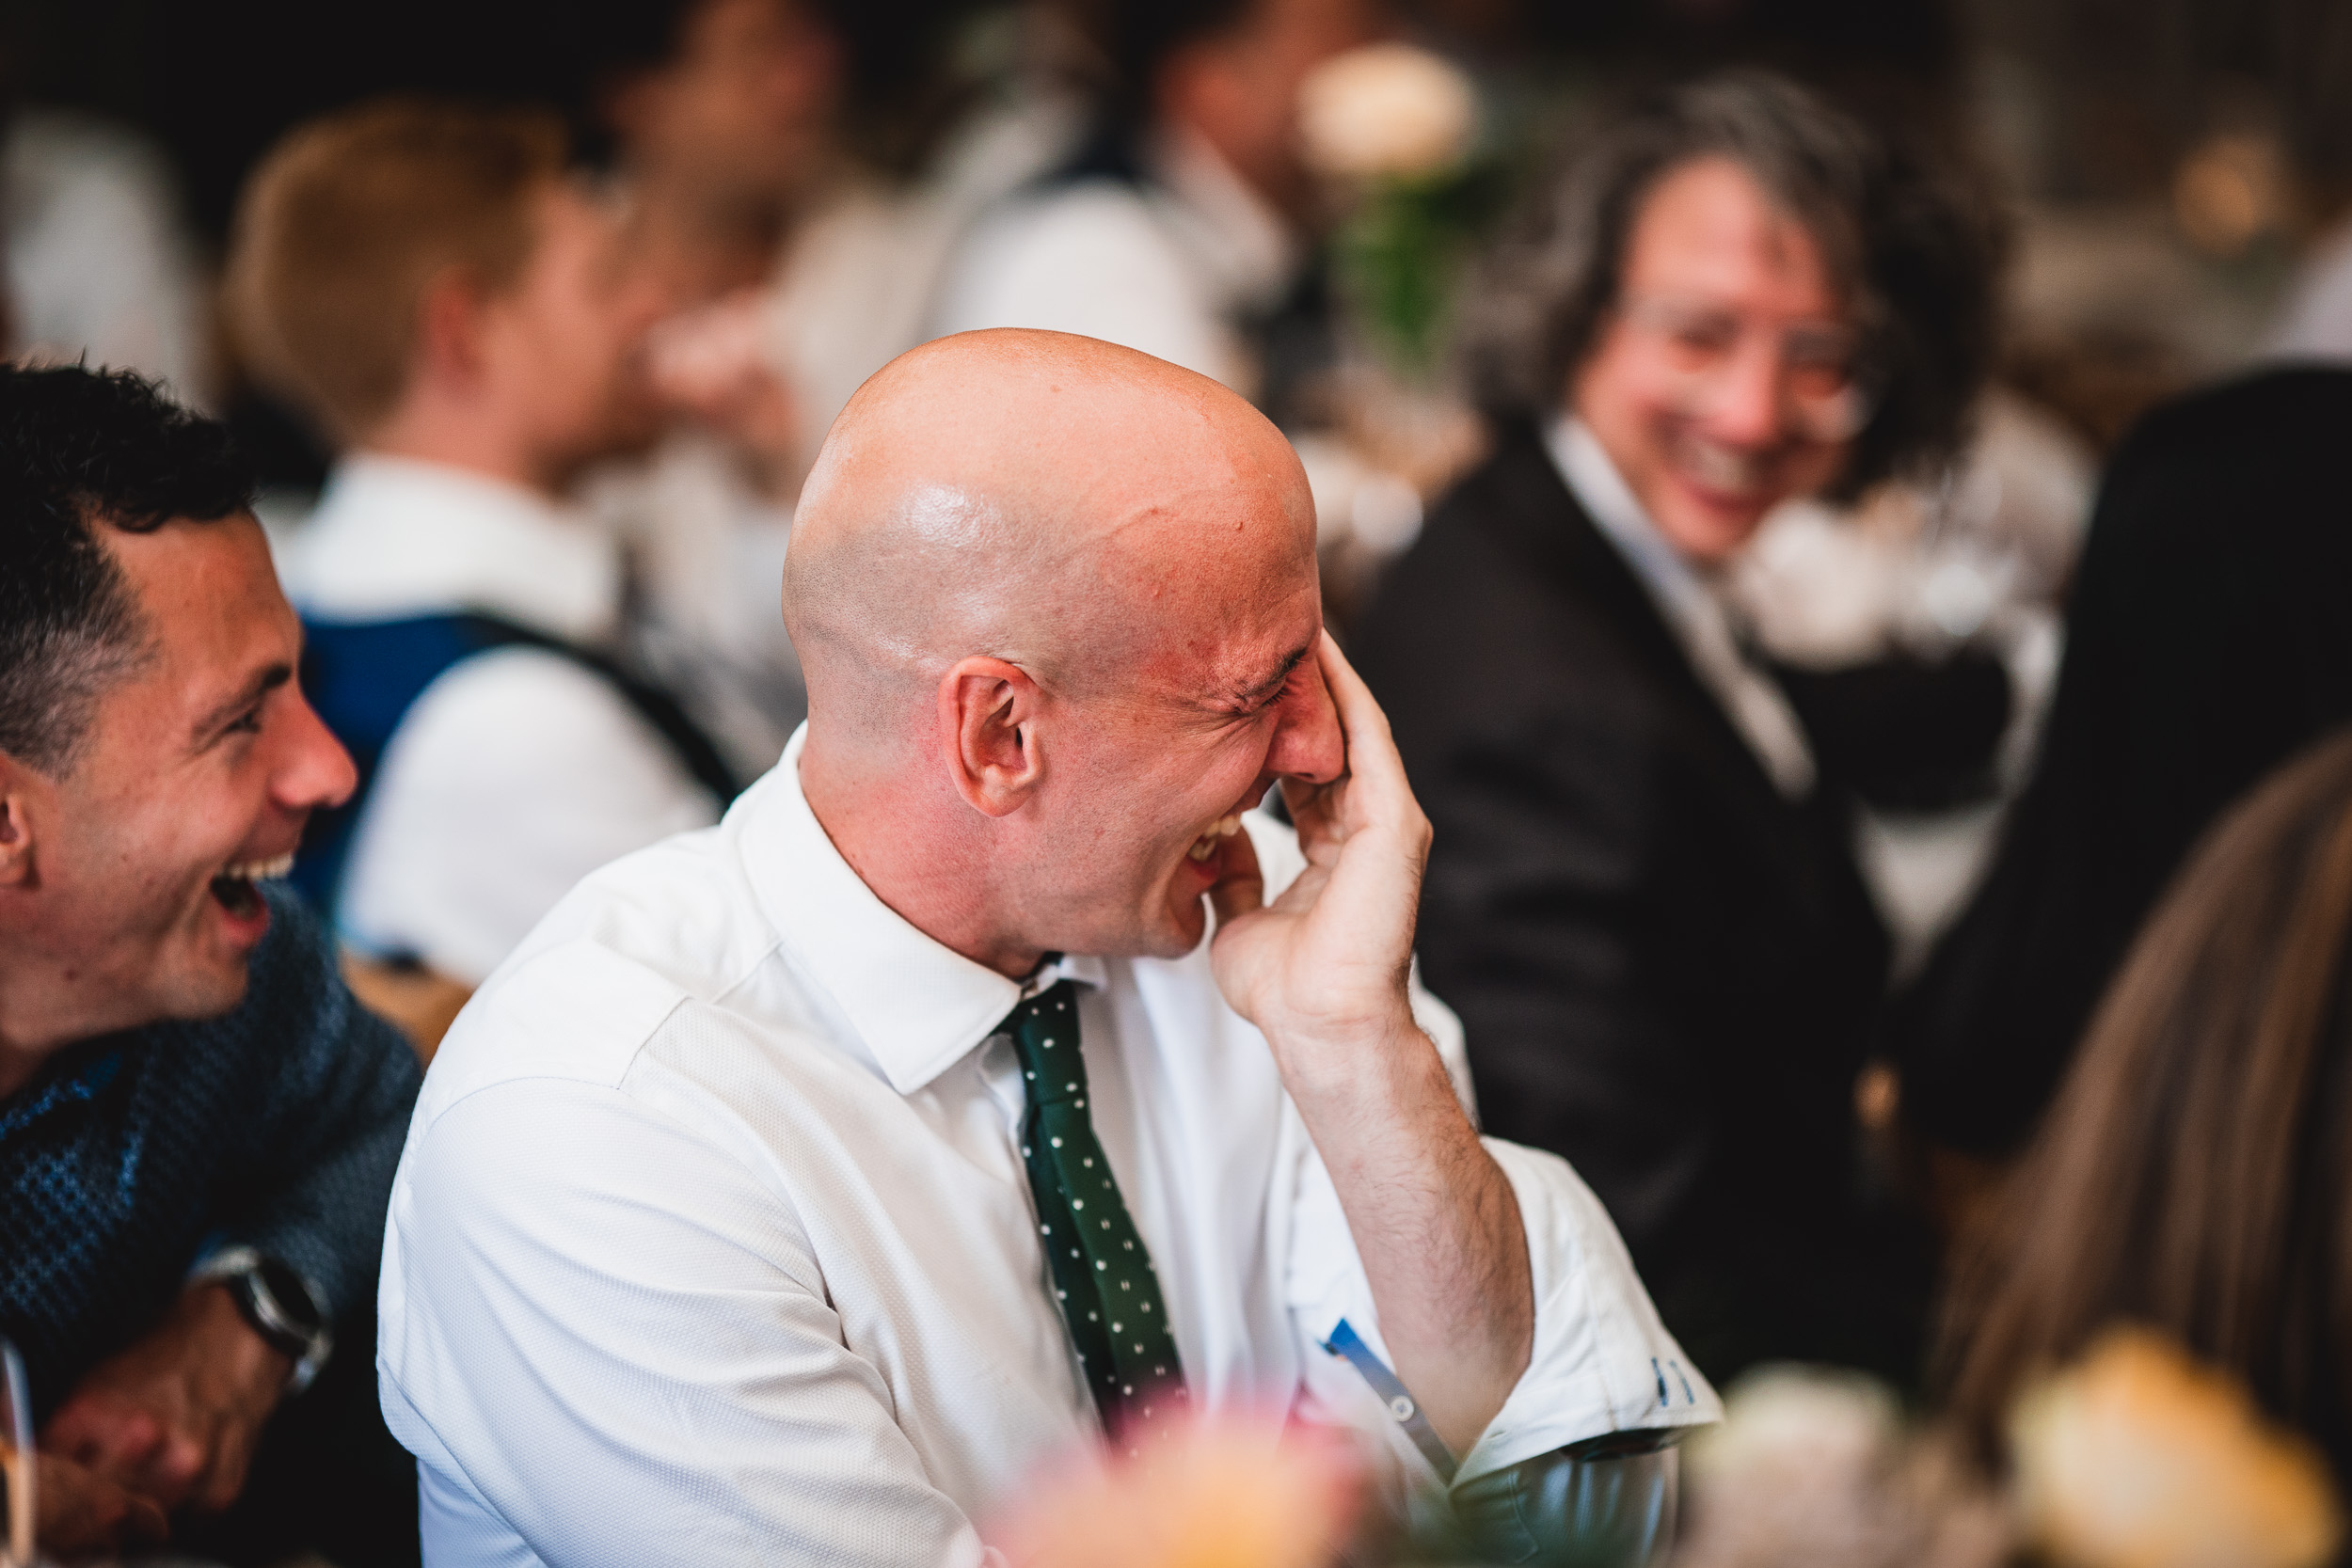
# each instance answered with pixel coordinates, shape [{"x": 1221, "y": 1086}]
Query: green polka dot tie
[{"x": 1103, "y": 1277}]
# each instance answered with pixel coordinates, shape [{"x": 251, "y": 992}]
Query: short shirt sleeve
[{"x": 514, "y": 775}]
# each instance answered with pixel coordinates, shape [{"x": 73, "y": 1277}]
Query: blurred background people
[
  {"x": 2193, "y": 1175},
  {"x": 1642, "y": 898},
  {"x": 795, "y": 191},
  {"x": 723, "y": 118},
  {"x": 2206, "y": 640},
  {"x": 95, "y": 258},
  {"x": 435, "y": 286},
  {"x": 724, "y": 122},
  {"x": 796, "y": 252},
  {"x": 197, "y": 1123},
  {"x": 1180, "y": 226}
]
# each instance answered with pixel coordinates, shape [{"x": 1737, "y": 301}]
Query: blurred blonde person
[{"x": 450, "y": 304}]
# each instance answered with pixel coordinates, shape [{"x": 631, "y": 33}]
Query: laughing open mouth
[
  {"x": 237, "y": 887},
  {"x": 1205, "y": 846}
]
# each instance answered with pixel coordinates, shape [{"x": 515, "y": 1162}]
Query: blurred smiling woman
[{"x": 1641, "y": 896}]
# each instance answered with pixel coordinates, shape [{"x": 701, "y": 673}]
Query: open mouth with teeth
[
  {"x": 237, "y": 888},
  {"x": 1730, "y": 472},
  {"x": 1219, "y": 831}
]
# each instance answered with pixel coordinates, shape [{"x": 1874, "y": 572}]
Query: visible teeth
[
  {"x": 1222, "y": 829},
  {"x": 260, "y": 871},
  {"x": 1720, "y": 466}
]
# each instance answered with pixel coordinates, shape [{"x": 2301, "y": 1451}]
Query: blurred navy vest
[{"x": 362, "y": 677}]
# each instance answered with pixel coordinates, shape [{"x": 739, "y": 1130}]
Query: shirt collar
[
  {"x": 397, "y": 536},
  {"x": 1227, "y": 227},
  {"x": 918, "y": 1006},
  {"x": 1591, "y": 476},
  {"x": 1689, "y": 604}
]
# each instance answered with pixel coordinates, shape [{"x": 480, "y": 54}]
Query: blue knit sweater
[{"x": 131, "y": 1158}]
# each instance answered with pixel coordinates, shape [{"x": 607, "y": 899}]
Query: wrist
[
  {"x": 241, "y": 1370},
  {"x": 1354, "y": 1059}
]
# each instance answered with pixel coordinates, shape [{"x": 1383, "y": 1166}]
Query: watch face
[{"x": 292, "y": 1297}]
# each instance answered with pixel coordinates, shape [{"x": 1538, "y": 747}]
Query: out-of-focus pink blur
[{"x": 1235, "y": 1489}]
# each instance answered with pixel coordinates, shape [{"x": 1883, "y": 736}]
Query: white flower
[
  {"x": 1386, "y": 109},
  {"x": 1814, "y": 1468}
]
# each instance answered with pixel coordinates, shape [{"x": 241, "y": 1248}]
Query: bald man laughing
[{"x": 802, "y": 1184}]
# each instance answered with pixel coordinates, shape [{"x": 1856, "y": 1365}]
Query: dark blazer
[
  {"x": 2209, "y": 638},
  {"x": 1668, "y": 972}
]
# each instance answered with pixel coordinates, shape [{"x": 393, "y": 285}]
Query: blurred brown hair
[
  {"x": 350, "y": 219},
  {"x": 2196, "y": 1172}
]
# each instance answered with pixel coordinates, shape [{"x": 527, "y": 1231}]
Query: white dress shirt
[
  {"x": 517, "y": 772},
  {"x": 713, "y": 1240},
  {"x": 1690, "y": 607},
  {"x": 1166, "y": 267}
]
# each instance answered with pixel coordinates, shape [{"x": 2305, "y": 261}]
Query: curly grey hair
[{"x": 1914, "y": 255}]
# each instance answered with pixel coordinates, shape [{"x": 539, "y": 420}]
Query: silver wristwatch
[{"x": 284, "y": 1308}]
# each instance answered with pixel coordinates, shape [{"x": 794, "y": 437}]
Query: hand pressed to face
[
  {"x": 1096, "y": 573},
  {"x": 175, "y": 1417},
  {"x": 1323, "y": 972},
  {"x": 1127, "y": 804},
  {"x": 1327, "y": 961}
]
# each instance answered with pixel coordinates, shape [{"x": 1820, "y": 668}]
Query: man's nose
[
  {"x": 1309, "y": 744},
  {"x": 1749, "y": 408},
  {"x": 316, "y": 771}
]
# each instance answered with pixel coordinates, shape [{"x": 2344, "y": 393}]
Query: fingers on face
[
  {"x": 106, "y": 1438},
  {"x": 179, "y": 1465},
  {"x": 1241, "y": 888},
  {"x": 1371, "y": 755}
]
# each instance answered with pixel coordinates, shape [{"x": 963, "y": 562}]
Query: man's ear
[
  {"x": 16, "y": 823},
  {"x": 449, "y": 330},
  {"x": 988, "y": 712}
]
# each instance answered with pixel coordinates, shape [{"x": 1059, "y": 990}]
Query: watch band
[{"x": 278, "y": 1304}]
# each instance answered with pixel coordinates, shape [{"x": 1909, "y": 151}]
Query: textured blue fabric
[{"x": 131, "y": 1157}]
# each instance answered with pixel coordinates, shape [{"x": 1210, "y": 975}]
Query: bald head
[
  {"x": 1057, "y": 605},
  {"x": 1069, "y": 506}
]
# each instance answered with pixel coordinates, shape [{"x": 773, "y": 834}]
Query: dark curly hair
[
  {"x": 80, "y": 449},
  {"x": 1915, "y": 255}
]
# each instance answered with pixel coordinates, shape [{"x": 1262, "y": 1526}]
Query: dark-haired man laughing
[{"x": 198, "y": 1124}]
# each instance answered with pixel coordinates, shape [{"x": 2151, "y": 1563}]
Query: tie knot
[{"x": 1044, "y": 1031}]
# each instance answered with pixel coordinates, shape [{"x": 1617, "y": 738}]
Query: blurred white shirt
[
  {"x": 517, "y": 772},
  {"x": 2316, "y": 321},
  {"x": 1168, "y": 267},
  {"x": 97, "y": 263},
  {"x": 712, "y": 1229}
]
